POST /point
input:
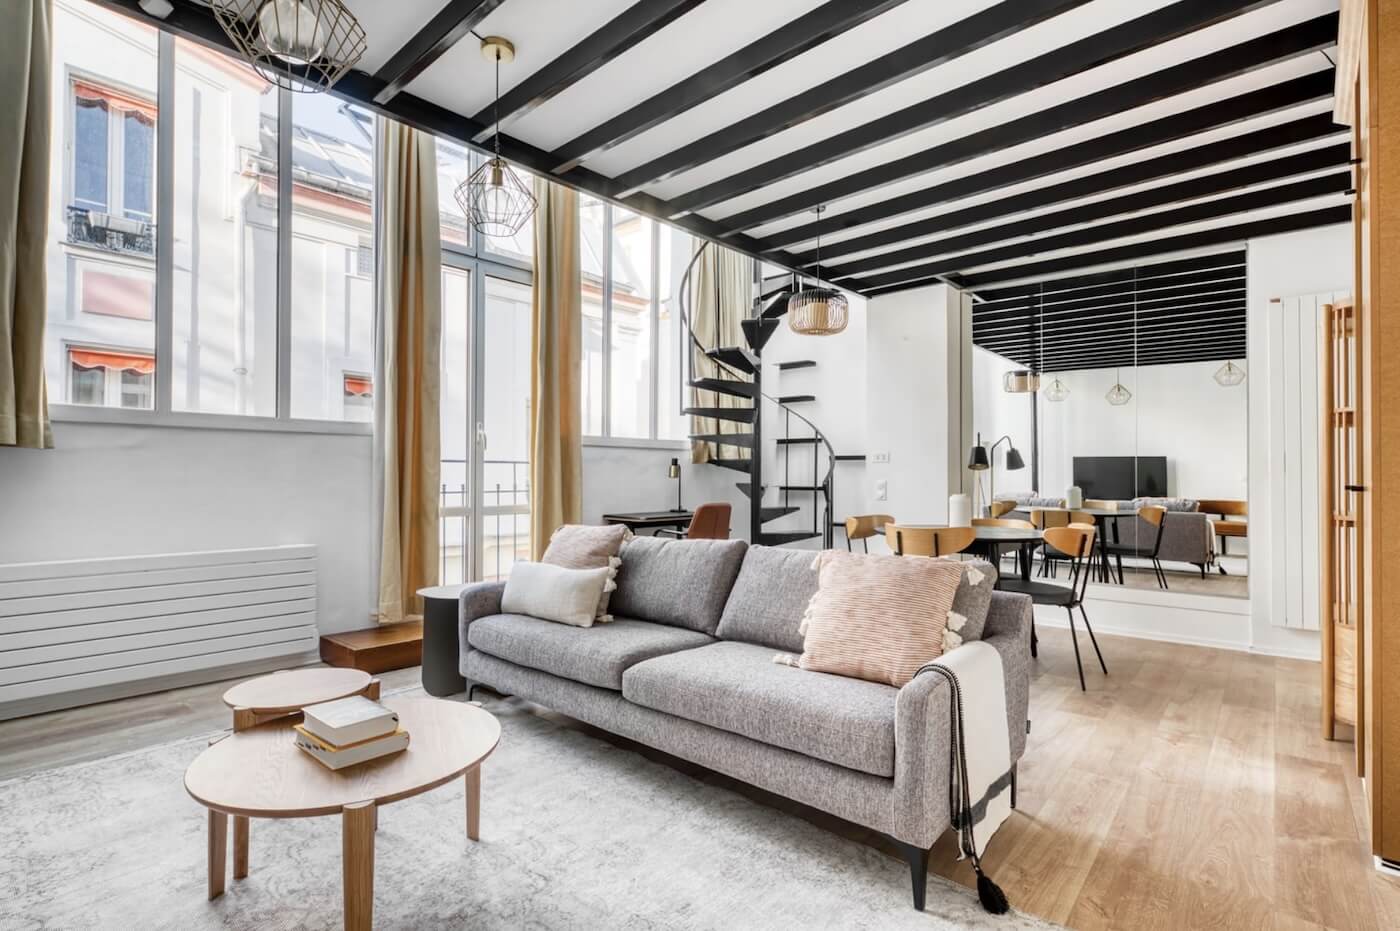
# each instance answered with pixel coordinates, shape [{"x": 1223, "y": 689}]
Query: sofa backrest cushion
[
  {"x": 1171, "y": 504},
  {"x": 769, "y": 597},
  {"x": 973, "y": 599},
  {"x": 684, "y": 583}
]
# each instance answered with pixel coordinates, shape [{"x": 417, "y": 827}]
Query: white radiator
[{"x": 86, "y": 624}]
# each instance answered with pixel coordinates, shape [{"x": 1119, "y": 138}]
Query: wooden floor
[{"x": 1188, "y": 789}]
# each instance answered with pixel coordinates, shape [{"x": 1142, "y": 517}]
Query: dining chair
[
  {"x": 928, "y": 541},
  {"x": 1076, "y": 543},
  {"x": 1100, "y": 504},
  {"x": 1048, "y": 518},
  {"x": 711, "y": 522},
  {"x": 1225, "y": 528},
  {"x": 998, "y": 508},
  {"x": 1155, "y": 516},
  {"x": 864, "y": 526}
]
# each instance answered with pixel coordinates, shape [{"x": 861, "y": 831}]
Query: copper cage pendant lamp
[{"x": 818, "y": 311}]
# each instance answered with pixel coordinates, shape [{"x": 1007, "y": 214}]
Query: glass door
[
  {"x": 502, "y": 424},
  {"x": 456, "y": 431}
]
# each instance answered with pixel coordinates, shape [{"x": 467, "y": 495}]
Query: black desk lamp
[{"x": 675, "y": 473}]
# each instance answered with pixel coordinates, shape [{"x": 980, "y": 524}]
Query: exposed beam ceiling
[{"x": 453, "y": 22}]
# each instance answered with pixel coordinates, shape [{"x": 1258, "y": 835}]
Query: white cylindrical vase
[
  {"x": 959, "y": 511},
  {"x": 1074, "y": 497}
]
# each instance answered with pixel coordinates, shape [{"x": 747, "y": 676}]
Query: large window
[{"x": 206, "y": 262}]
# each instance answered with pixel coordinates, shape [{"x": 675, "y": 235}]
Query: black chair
[
  {"x": 1076, "y": 543},
  {"x": 1154, "y": 515}
]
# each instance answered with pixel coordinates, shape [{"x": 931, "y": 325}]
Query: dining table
[
  {"x": 1104, "y": 520},
  {"x": 990, "y": 542}
]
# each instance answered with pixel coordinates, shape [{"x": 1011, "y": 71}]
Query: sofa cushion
[
  {"x": 580, "y": 546},
  {"x": 974, "y": 598},
  {"x": 595, "y": 655},
  {"x": 736, "y": 687},
  {"x": 768, "y": 598},
  {"x": 683, "y": 583},
  {"x": 1171, "y": 504}
]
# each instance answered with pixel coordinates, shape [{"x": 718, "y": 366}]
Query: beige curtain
[
  {"x": 25, "y": 52},
  {"x": 409, "y": 265},
  {"x": 722, "y": 278},
  {"x": 556, "y": 321}
]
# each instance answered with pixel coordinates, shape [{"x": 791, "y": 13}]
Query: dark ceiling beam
[
  {"x": 1177, "y": 127},
  {"x": 1142, "y": 274},
  {"x": 453, "y": 22},
  {"x": 1200, "y": 239},
  {"x": 1206, "y": 186},
  {"x": 1059, "y": 63},
  {"x": 1053, "y": 301},
  {"x": 632, "y": 26},
  {"x": 783, "y": 44},
  {"x": 1235, "y": 61},
  {"x": 1107, "y": 324},
  {"x": 1051, "y": 312},
  {"x": 1211, "y": 354},
  {"x": 951, "y": 42},
  {"x": 1167, "y": 343},
  {"x": 1249, "y": 144},
  {"x": 1233, "y": 347},
  {"x": 1132, "y": 226},
  {"x": 1227, "y": 320},
  {"x": 1080, "y": 309}
]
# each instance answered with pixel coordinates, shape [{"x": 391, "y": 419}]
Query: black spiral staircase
[{"x": 741, "y": 376}]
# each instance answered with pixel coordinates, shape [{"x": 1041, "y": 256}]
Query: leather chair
[{"x": 711, "y": 522}]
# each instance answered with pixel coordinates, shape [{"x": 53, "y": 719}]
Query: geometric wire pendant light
[
  {"x": 495, "y": 200},
  {"x": 1229, "y": 375},
  {"x": 1118, "y": 395},
  {"x": 301, "y": 45},
  {"x": 818, "y": 311}
]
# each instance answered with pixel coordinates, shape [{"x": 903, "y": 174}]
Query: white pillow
[{"x": 553, "y": 593}]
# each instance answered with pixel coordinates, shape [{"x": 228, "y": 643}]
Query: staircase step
[
  {"x": 736, "y": 357},
  {"x": 738, "y": 465},
  {"x": 747, "y": 489},
  {"x": 776, "y": 284},
  {"x": 799, "y": 364},
  {"x": 757, "y": 332},
  {"x": 860, "y": 457},
  {"x": 776, "y": 307},
  {"x": 767, "y": 514},
  {"x": 801, "y": 488},
  {"x": 739, "y": 389},
  {"x": 725, "y": 439},
  {"x": 796, "y": 398},
  {"x": 736, "y": 414},
  {"x": 778, "y": 539},
  {"x": 798, "y": 441}
]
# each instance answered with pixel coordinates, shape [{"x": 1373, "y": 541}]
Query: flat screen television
[{"x": 1119, "y": 478}]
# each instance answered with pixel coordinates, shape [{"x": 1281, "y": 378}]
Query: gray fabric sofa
[{"x": 687, "y": 667}]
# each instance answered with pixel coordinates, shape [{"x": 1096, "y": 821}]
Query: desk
[{"x": 650, "y": 520}]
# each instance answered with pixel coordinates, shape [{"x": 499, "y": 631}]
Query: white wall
[
  {"x": 996, "y": 413},
  {"x": 635, "y": 478},
  {"x": 1303, "y": 263},
  {"x": 108, "y": 490},
  {"x": 918, "y": 410}
]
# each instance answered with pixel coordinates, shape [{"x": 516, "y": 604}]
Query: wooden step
[
  {"x": 738, "y": 389},
  {"x": 796, "y": 398},
  {"x": 725, "y": 439},
  {"x": 767, "y": 514},
  {"x": 799, "y": 364},
  {"x": 736, "y": 357},
  {"x": 778, "y": 539},
  {"x": 736, "y": 414},
  {"x": 375, "y": 649}
]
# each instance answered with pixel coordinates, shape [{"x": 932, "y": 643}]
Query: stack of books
[{"x": 348, "y": 731}]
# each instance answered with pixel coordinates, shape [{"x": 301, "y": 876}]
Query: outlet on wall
[
  {"x": 880, "y": 457},
  {"x": 882, "y": 490}
]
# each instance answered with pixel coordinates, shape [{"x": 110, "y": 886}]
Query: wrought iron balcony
[
  {"x": 115, "y": 234},
  {"x": 504, "y": 518}
]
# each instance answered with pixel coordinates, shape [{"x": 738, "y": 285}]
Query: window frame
[
  {"x": 652, "y": 440},
  {"x": 163, "y": 414}
]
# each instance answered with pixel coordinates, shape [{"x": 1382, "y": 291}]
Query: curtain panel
[
  {"x": 721, "y": 292},
  {"x": 409, "y": 283},
  {"x": 556, "y": 322},
  {"x": 26, "y": 51}
]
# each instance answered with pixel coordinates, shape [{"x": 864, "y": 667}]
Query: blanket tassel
[{"x": 989, "y": 893}]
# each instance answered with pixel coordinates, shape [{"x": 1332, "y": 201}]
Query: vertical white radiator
[{"x": 70, "y": 626}]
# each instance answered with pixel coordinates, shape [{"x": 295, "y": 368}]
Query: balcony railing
[
  {"x": 115, "y": 234},
  {"x": 504, "y": 518}
]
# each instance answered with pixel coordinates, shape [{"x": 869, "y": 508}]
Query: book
[
  {"x": 347, "y": 721},
  {"x": 337, "y": 758}
]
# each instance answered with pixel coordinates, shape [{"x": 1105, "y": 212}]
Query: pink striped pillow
[{"x": 877, "y": 617}]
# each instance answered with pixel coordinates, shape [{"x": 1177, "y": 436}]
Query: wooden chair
[
  {"x": 1154, "y": 515},
  {"x": 1048, "y": 518},
  {"x": 1225, "y": 528},
  {"x": 1076, "y": 544},
  {"x": 711, "y": 522},
  {"x": 1100, "y": 504},
  {"x": 864, "y": 526},
  {"x": 928, "y": 541},
  {"x": 998, "y": 508}
]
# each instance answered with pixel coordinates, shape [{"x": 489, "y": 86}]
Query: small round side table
[{"x": 442, "y": 653}]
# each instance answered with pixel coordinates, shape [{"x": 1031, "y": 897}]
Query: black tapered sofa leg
[{"x": 917, "y": 858}]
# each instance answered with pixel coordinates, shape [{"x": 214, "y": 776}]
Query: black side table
[{"x": 441, "y": 651}]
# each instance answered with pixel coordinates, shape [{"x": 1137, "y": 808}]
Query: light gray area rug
[{"x": 575, "y": 833}]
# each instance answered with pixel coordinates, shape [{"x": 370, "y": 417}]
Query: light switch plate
[
  {"x": 880, "y": 457},
  {"x": 882, "y": 490}
]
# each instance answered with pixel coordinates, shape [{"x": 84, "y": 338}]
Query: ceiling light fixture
[
  {"x": 1056, "y": 391},
  {"x": 818, "y": 311},
  {"x": 1229, "y": 375},
  {"x": 1020, "y": 382},
  {"x": 302, "y": 45},
  {"x": 1118, "y": 395},
  {"x": 496, "y": 201}
]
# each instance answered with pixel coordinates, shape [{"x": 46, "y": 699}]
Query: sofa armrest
[
  {"x": 480, "y": 599},
  {"x": 921, "y": 728}
]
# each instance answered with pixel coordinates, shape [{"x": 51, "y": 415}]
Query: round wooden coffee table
[
  {"x": 260, "y": 773},
  {"x": 286, "y": 692}
]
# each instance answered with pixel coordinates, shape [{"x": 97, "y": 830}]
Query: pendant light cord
[{"x": 496, "y": 108}]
